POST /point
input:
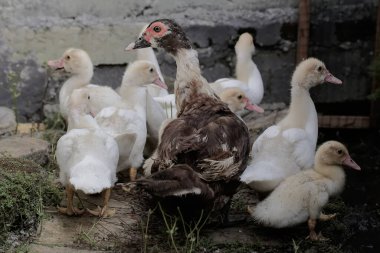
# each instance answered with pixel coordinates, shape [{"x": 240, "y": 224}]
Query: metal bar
[
  {"x": 303, "y": 29},
  {"x": 342, "y": 121}
]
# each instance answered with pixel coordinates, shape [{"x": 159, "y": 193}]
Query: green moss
[{"x": 25, "y": 188}]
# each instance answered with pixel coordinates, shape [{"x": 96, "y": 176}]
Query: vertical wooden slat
[
  {"x": 303, "y": 29},
  {"x": 375, "y": 105}
]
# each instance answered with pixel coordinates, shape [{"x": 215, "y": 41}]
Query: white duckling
[
  {"x": 115, "y": 118},
  {"x": 134, "y": 94},
  {"x": 302, "y": 196},
  {"x": 248, "y": 77},
  {"x": 78, "y": 63},
  {"x": 288, "y": 147},
  {"x": 87, "y": 158}
]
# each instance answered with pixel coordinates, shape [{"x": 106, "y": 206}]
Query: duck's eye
[
  {"x": 319, "y": 68},
  {"x": 88, "y": 97},
  {"x": 340, "y": 151},
  {"x": 67, "y": 57},
  {"x": 157, "y": 29},
  {"x": 151, "y": 70},
  {"x": 240, "y": 97}
]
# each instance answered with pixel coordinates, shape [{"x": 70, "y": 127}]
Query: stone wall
[{"x": 34, "y": 31}]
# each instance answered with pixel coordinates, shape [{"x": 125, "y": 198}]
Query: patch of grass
[
  {"x": 56, "y": 122},
  {"x": 25, "y": 188},
  {"x": 174, "y": 234}
]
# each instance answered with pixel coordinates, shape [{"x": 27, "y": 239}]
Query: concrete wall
[{"x": 34, "y": 31}]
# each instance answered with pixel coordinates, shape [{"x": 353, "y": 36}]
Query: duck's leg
[
  {"x": 104, "y": 212},
  {"x": 132, "y": 173},
  {"x": 326, "y": 217},
  {"x": 70, "y": 209},
  {"x": 312, "y": 234}
]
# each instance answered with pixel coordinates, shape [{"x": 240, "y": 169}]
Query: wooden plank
[
  {"x": 342, "y": 121},
  {"x": 30, "y": 128},
  {"x": 375, "y": 105},
  {"x": 303, "y": 29}
]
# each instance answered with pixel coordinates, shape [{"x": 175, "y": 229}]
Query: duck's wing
[
  {"x": 214, "y": 142},
  {"x": 270, "y": 132},
  {"x": 303, "y": 147},
  {"x": 111, "y": 147},
  {"x": 65, "y": 149}
]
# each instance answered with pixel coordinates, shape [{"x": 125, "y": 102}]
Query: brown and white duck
[{"x": 205, "y": 149}]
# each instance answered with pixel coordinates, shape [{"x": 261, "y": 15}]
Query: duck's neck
[
  {"x": 302, "y": 113},
  {"x": 77, "y": 120},
  {"x": 244, "y": 67},
  {"x": 248, "y": 73},
  {"x": 335, "y": 175},
  {"x": 74, "y": 82},
  {"x": 189, "y": 81},
  {"x": 135, "y": 97}
]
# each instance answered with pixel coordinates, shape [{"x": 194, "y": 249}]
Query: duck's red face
[
  {"x": 163, "y": 33},
  {"x": 155, "y": 31}
]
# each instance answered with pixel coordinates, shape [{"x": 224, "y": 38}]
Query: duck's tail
[
  {"x": 92, "y": 176},
  {"x": 179, "y": 180}
]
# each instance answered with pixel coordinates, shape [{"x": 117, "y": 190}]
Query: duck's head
[
  {"x": 162, "y": 33},
  {"x": 141, "y": 73},
  {"x": 244, "y": 46},
  {"x": 74, "y": 61},
  {"x": 79, "y": 101},
  {"x": 333, "y": 153},
  {"x": 311, "y": 72},
  {"x": 237, "y": 101}
]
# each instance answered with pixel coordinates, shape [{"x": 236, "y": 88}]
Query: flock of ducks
[{"x": 202, "y": 148}]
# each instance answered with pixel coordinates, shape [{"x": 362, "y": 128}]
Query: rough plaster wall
[{"x": 34, "y": 31}]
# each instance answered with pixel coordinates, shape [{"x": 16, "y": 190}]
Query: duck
[
  {"x": 78, "y": 63},
  {"x": 289, "y": 146},
  {"x": 204, "y": 150},
  {"x": 302, "y": 196},
  {"x": 138, "y": 76},
  {"x": 248, "y": 77},
  {"x": 87, "y": 158}
]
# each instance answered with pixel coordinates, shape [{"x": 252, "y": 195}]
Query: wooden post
[
  {"x": 303, "y": 29},
  {"x": 375, "y": 105}
]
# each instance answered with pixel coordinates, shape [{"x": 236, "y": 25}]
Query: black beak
[{"x": 139, "y": 43}]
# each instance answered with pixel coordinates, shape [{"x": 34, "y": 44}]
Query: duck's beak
[
  {"x": 332, "y": 79},
  {"x": 351, "y": 163},
  {"x": 139, "y": 43},
  {"x": 160, "y": 83},
  {"x": 56, "y": 64},
  {"x": 252, "y": 107}
]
